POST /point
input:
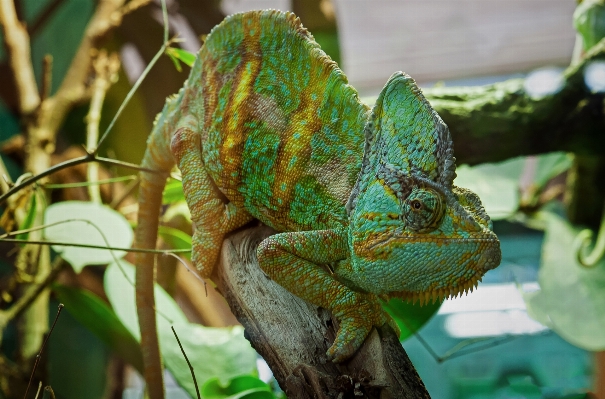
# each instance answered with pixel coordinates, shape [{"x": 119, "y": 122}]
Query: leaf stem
[
  {"x": 42, "y": 348},
  {"x": 68, "y": 164},
  {"x": 197, "y": 390},
  {"x": 67, "y": 244}
]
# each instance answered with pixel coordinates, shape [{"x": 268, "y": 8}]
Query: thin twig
[
  {"x": 133, "y": 5},
  {"x": 67, "y": 244},
  {"x": 88, "y": 183},
  {"x": 197, "y": 390},
  {"x": 106, "y": 68},
  {"x": 5, "y": 178},
  {"x": 47, "y": 74},
  {"x": 68, "y": 164},
  {"x": 129, "y": 190},
  {"x": 44, "y": 16},
  {"x": 131, "y": 94},
  {"x": 17, "y": 44},
  {"x": 39, "y": 389},
  {"x": 73, "y": 88},
  {"x": 196, "y": 275},
  {"x": 31, "y": 294},
  {"x": 42, "y": 348}
]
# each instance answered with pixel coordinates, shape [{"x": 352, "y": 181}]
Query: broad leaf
[
  {"x": 87, "y": 223},
  {"x": 101, "y": 320},
  {"x": 571, "y": 297},
  {"x": 213, "y": 352},
  {"x": 551, "y": 165},
  {"x": 173, "y": 192},
  {"x": 119, "y": 287},
  {"x": 245, "y": 386},
  {"x": 497, "y": 185},
  {"x": 177, "y": 54},
  {"x": 410, "y": 317},
  {"x": 221, "y": 353}
]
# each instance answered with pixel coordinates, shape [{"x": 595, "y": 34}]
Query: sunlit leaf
[
  {"x": 214, "y": 352},
  {"x": 551, "y": 165},
  {"x": 496, "y": 184},
  {"x": 177, "y": 54},
  {"x": 173, "y": 192},
  {"x": 101, "y": 320},
  {"x": 185, "y": 56},
  {"x": 87, "y": 223},
  {"x": 245, "y": 386},
  {"x": 119, "y": 287},
  {"x": 499, "y": 184},
  {"x": 410, "y": 317},
  {"x": 175, "y": 61},
  {"x": 571, "y": 297},
  {"x": 221, "y": 353}
]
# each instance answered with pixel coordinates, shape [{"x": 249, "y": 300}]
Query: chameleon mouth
[{"x": 442, "y": 293}]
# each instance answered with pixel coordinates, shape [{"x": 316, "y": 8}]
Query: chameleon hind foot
[{"x": 357, "y": 315}]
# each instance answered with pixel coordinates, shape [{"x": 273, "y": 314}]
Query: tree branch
[
  {"x": 500, "y": 121},
  {"x": 17, "y": 44},
  {"x": 293, "y": 335}
]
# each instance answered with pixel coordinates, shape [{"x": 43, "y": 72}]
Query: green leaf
[
  {"x": 28, "y": 222},
  {"x": 119, "y": 287},
  {"x": 410, "y": 317},
  {"x": 101, "y": 320},
  {"x": 245, "y": 386},
  {"x": 87, "y": 223},
  {"x": 177, "y": 54},
  {"x": 175, "y": 238},
  {"x": 496, "y": 184},
  {"x": 213, "y": 352},
  {"x": 571, "y": 297},
  {"x": 185, "y": 56},
  {"x": 221, "y": 353},
  {"x": 173, "y": 192},
  {"x": 551, "y": 165},
  {"x": 499, "y": 184},
  {"x": 175, "y": 61},
  {"x": 589, "y": 21}
]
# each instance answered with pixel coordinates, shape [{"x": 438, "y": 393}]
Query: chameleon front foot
[{"x": 357, "y": 315}]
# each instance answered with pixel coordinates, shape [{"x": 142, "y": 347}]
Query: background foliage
[{"x": 97, "y": 336}]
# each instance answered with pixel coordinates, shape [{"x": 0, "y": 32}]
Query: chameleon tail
[{"x": 157, "y": 157}]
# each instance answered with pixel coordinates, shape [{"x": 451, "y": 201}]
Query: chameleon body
[{"x": 267, "y": 128}]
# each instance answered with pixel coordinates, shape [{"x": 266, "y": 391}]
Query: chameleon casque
[{"x": 267, "y": 127}]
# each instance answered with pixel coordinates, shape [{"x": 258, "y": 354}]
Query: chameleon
[{"x": 267, "y": 127}]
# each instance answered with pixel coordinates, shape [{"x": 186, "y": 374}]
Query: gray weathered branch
[{"x": 293, "y": 335}]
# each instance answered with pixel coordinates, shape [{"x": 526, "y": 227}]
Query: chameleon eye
[
  {"x": 416, "y": 204},
  {"x": 423, "y": 210}
]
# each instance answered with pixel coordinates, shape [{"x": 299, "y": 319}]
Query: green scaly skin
[{"x": 267, "y": 128}]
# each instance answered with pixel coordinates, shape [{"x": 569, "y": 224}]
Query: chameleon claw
[{"x": 356, "y": 320}]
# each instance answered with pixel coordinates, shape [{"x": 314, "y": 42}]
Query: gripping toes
[{"x": 357, "y": 313}]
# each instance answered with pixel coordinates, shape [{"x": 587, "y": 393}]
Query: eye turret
[{"x": 423, "y": 210}]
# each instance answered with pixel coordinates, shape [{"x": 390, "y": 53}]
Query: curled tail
[{"x": 158, "y": 158}]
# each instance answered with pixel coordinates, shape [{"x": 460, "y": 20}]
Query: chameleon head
[{"x": 411, "y": 230}]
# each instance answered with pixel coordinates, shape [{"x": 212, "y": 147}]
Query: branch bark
[
  {"x": 17, "y": 44},
  {"x": 293, "y": 335}
]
